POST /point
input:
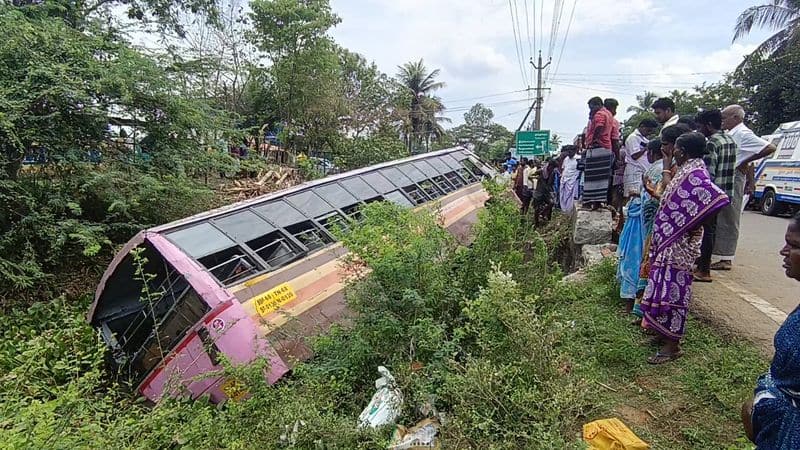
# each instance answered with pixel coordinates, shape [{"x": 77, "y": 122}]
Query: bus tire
[{"x": 770, "y": 205}]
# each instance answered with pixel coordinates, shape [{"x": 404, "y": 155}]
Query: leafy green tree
[
  {"x": 487, "y": 139},
  {"x": 84, "y": 15},
  {"x": 771, "y": 86},
  {"x": 555, "y": 142},
  {"x": 373, "y": 149},
  {"x": 367, "y": 94},
  {"x": 59, "y": 99},
  {"x": 304, "y": 76}
]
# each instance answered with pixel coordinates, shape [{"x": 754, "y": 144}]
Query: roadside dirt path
[{"x": 753, "y": 299}]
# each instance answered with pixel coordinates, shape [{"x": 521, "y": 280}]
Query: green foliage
[
  {"x": 487, "y": 139},
  {"x": 365, "y": 151},
  {"x": 63, "y": 227},
  {"x": 516, "y": 359},
  {"x": 772, "y": 87},
  {"x": 730, "y": 91}
]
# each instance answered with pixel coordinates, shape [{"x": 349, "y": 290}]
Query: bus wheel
[{"x": 770, "y": 205}]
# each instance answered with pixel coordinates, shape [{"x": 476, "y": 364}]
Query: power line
[
  {"x": 566, "y": 35},
  {"x": 590, "y": 88},
  {"x": 533, "y": 21},
  {"x": 627, "y": 82},
  {"x": 528, "y": 28},
  {"x": 642, "y": 74},
  {"x": 516, "y": 44},
  {"x": 514, "y": 113},
  {"x": 499, "y": 94},
  {"x": 541, "y": 25},
  {"x": 558, "y": 8},
  {"x": 488, "y": 105},
  {"x": 563, "y": 44},
  {"x": 521, "y": 43}
]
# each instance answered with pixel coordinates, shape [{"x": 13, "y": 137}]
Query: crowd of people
[
  {"x": 678, "y": 186},
  {"x": 683, "y": 195},
  {"x": 684, "y": 191}
]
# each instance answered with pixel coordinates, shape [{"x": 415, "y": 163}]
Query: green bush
[
  {"x": 56, "y": 227},
  {"x": 487, "y": 335}
]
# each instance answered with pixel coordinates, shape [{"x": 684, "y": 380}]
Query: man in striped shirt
[{"x": 720, "y": 161}]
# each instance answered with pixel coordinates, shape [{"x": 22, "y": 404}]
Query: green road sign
[{"x": 533, "y": 143}]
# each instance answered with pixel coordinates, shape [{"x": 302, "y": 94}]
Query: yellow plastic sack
[{"x": 611, "y": 434}]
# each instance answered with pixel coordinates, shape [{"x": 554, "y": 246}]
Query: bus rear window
[{"x": 172, "y": 326}]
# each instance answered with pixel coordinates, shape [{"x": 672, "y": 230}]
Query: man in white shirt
[
  {"x": 635, "y": 154},
  {"x": 570, "y": 178},
  {"x": 751, "y": 148},
  {"x": 528, "y": 183}
]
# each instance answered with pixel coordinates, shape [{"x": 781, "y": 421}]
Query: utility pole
[{"x": 537, "y": 120}]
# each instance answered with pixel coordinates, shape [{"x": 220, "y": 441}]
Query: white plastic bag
[{"x": 386, "y": 404}]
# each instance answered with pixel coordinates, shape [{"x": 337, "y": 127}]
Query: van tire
[{"x": 770, "y": 205}]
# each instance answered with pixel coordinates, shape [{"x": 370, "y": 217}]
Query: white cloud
[
  {"x": 477, "y": 62},
  {"x": 472, "y": 42}
]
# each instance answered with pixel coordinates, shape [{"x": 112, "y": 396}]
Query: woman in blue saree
[
  {"x": 772, "y": 418},
  {"x": 636, "y": 232}
]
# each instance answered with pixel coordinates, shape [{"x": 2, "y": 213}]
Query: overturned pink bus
[{"x": 256, "y": 278}]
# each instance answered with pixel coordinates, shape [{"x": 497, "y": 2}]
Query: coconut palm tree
[
  {"x": 432, "y": 129},
  {"x": 781, "y": 15},
  {"x": 643, "y": 102},
  {"x": 422, "y": 107}
]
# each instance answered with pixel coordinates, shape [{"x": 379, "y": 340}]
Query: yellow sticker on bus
[{"x": 274, "y": 298}]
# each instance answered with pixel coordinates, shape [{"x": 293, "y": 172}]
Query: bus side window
[
  {"x": 416, "y": 194},
  {"x": 471, "y": 167},
  {"x": 444, "y": 184},
  {"x": 309, "y": 235},
  {"x": 431, "y": 189},
  {"x": 333, "y": 221},
  {"x": 230, "y": 265},
  {"x": 455, "y": 179},
  {"x": 275, "y": 249}
]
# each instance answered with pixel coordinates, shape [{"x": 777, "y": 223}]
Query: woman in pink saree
[{"x": 690, "y": 197}]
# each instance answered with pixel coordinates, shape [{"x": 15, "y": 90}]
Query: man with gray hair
[{"x": 750, "y": 148}]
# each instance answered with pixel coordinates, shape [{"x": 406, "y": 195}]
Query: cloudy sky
[{"x": 614, "y": 49}]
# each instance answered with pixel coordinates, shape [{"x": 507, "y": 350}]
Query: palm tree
[
  {"x": 432, "y": 120},
  {"x": 420, "y": 84},
  {"x": 644, "y": 102},
  {"x": 781, "y": 15}
]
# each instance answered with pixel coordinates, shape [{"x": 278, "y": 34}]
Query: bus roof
[{"x": 300, "y": 187}]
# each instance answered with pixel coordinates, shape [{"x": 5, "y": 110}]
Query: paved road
[{"x": 754, "y": 298}]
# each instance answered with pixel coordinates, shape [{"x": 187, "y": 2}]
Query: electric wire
[
  {"x": 516, "y": 43},
  {"x": 528, "y": 29},
  {"x": 499, "y": 94},
  {"x": 521, "y": 44},
  {"x": 563, "y": 45}
]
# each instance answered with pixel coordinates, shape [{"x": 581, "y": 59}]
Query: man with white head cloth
[{"x": 750, "y": 148}]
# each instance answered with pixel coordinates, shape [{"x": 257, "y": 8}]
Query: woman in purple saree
[{"x": 690, "y": 197}]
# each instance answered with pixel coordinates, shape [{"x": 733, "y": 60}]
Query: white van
[{"x": 778, "y": 177}]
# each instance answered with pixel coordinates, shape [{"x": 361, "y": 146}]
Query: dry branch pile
[{"x": 271, "y": 180}]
